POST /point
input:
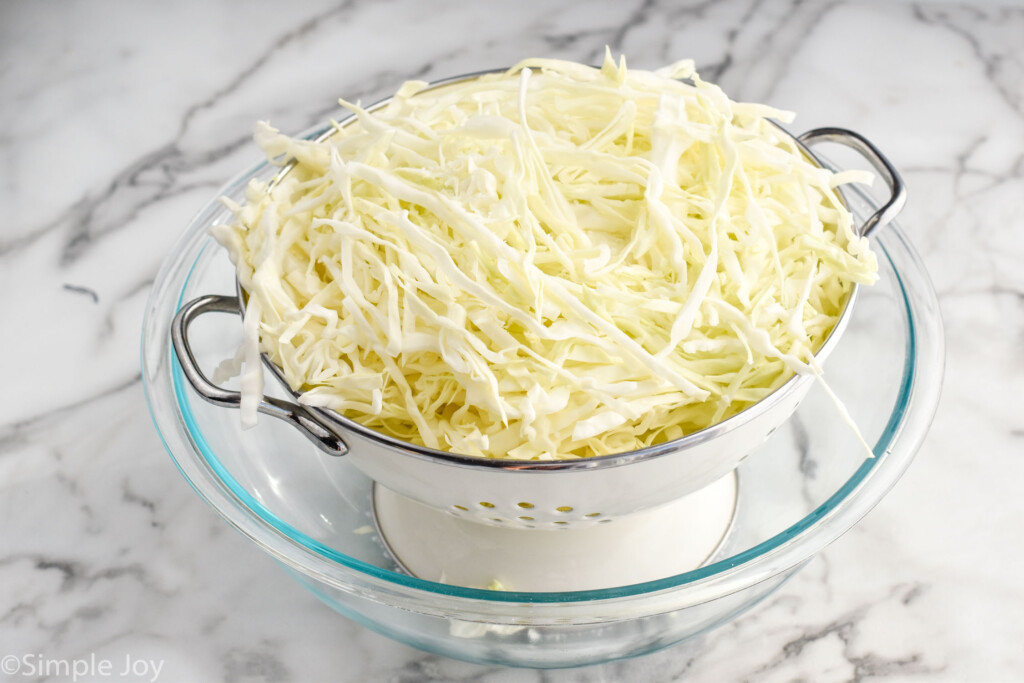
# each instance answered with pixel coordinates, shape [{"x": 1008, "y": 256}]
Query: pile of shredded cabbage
[{"x": 552, "y": 262}]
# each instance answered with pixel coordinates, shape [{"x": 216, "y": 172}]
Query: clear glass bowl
[{"x": 805, "y": 487}]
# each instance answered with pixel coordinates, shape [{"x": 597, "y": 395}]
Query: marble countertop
[{"x": 120, "y": 119}]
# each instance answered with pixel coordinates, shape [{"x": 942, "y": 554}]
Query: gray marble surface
[{"x": 119, "y": 119}]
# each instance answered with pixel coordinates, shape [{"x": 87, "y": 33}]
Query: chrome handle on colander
[
  {"x": 862, "y": 145},
  {"x": 293, "y": 413}
]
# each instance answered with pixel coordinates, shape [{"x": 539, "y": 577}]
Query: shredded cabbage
[{"x": 552, "y": 262}]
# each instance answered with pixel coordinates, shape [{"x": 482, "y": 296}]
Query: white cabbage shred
[{"x": 553, "y": 262}]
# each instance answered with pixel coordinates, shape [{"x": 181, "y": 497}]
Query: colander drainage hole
[
  {"x": 485, "y": 504},
  {"x": 525, "y": 506},
  {"x": 564, "y": 508}
]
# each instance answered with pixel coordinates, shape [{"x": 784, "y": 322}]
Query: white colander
[{"x": 545, "y": 494}]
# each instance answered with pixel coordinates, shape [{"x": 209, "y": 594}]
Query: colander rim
[{"x": 340, "y": 424}]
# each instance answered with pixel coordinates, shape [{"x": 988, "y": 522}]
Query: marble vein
[
  {"x": 14, "y": 433},
  {"x": 245, "y": 74},
  {"x": 153, "y": 177},
  {"x": 1001, "y": 67},
  {"x": 85, "y": 291},
  {"x": 863, "y": 666}
]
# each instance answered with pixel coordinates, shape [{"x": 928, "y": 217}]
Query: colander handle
[
  {"x": 863, "y": 146},
  {"x": 293, "y": 413}
]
